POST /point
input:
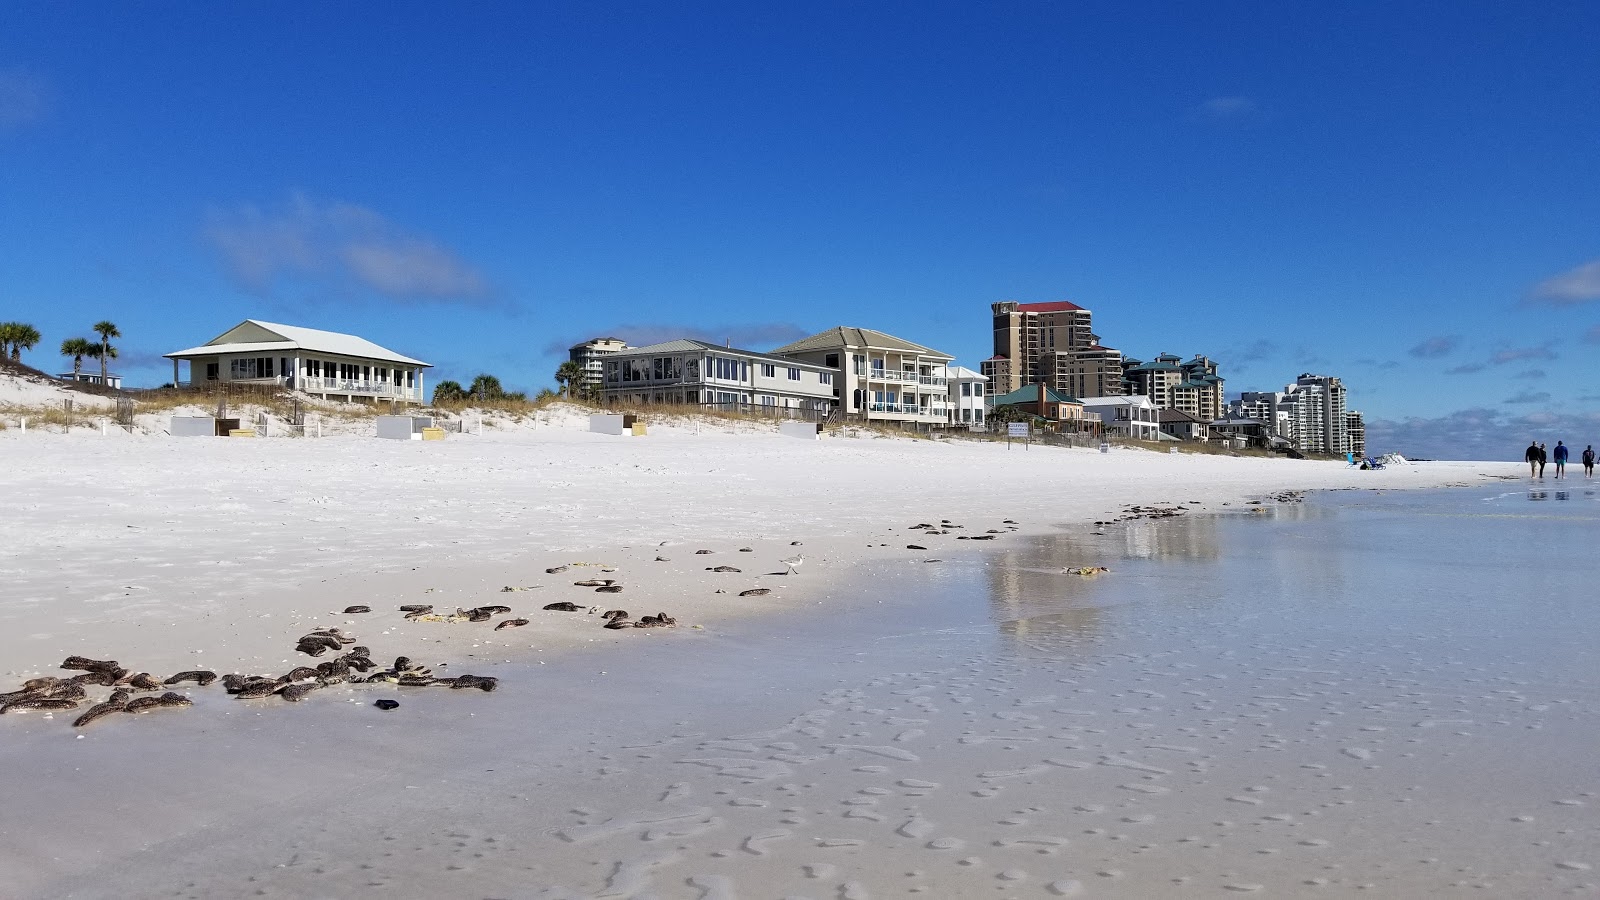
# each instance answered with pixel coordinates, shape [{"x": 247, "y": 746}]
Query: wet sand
[{"x": 1388, "y": 694}]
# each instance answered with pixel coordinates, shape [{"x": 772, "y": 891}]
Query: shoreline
[
  {"x": 159, "y": 580},
  {"x": 599, "y": 738}
]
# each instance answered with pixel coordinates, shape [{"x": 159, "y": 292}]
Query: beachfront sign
[{"x": 1017, "y": 429}]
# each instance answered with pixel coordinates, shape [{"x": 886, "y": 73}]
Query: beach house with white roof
[
  {"x": 967, "y": 393},
  {"x": 325, "y": 364},
  {"x": 881, "y": 378}
]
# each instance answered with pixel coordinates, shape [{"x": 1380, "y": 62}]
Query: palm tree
[
  {"x": 102, "y": 352},
  {"x": 568, "y": 374},
  {"x": 486, "y": 387},
  {"x": 25, "y": 338},
  {"x": 448, "y": 392},
  {"x": 77, "y": 348},
  {"x": 7, "y": 329},
  {"x": 107, "y": 331}
]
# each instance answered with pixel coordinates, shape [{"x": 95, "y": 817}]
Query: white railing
[
  {"x": 908, "y": 409},
  {"x": 320, "y": 386}
]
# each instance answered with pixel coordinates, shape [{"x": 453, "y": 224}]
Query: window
[
  {"x": 831, "y": 360},
  {"x": 966, "y": 389},
  {"x": 977, "y": 416},
  {"x": 825, "y": 378},
  {"x": 211, "y": 371},
  {"x": 768, "y": 400},
  {"x": 768, "y": 370},
  {"x": 794, "y": 373},
  {"x": 693, "y": 368}
]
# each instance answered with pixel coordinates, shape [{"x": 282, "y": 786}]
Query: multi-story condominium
[
  {"x": 1050, "y": 343},
  {"x": 966, "y": 396},
  {"x": 1356, "y": 428},
  {"x": 1131, "y": 415},
  {"x": 880, "y": 377},
  {"x": 697, "y": 373},
  {"x": 1318, "y": 411},
  {"x": 1270, "y": 408},
  {"x": 1093, "y": 370},
  {"x": 1193, "y": 387},
  {"x": 1156, "y": 379},
  {"x": 588, "y": 356}
]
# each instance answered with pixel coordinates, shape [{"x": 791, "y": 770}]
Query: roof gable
[
  {"x": 247, "y": 332},
  {"x": 844, "y": 336},
  {"x": 253, "y": 335}
]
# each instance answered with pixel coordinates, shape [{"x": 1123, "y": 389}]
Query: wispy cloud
[
  {"x": 341, "y": 245},
  {"x": 1227, "y": 108},
  {"x": 1532, "y": 374},
  {"x": 1435, "y": 347},
  {"x": 1571, "y": 288},
  {"x": 1465, "y": 369},
  {"x": 23, "y": 98},
  {"x": 1529, "y": 397},
  {"x": 747, "y": 336},
  {"x": 1592, "y": 336},
  {"x": 1517, "y": 354}
]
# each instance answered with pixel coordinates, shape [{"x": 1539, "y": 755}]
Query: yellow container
[
  {"x": 242, "y": 432},
  {"x": 638, "y": 430},
  {"x": 433, "y": 434}
]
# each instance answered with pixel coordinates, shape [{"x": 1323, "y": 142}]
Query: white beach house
[
  {"x": 325, "y": 364},
  {"x": 694, "y": 372},
  {"x": 1134, "y": 415},
  {"x": 967, "y": 392},
  {"x": 881, "y": 378}
]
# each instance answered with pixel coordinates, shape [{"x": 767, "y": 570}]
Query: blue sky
[{"x": 1404, "y": 195}]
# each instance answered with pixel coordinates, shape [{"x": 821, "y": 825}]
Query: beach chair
[
  {"x": 1372, "y": 463},
  {"x": 1351, "y": 459}
]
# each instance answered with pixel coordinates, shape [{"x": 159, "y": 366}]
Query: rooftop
[
  {"x": 845, "y": 336},
  {"x": 1054, "y": 306},
  {"x": 690, "y": 345},
  {"x": 1029, "y": 393},
  {"x": 256, "y": 336}
]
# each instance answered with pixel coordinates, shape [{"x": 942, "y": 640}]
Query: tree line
[{"x": 16, "y": 337}]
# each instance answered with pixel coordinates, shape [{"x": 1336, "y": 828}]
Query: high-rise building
[
  {"x": 588, "y": 356},
  {"x": 1356, "y": 427},
  {"x": 1193, "y": 387},
  {"x": 1052, "y": 344},
  {"x": 1318, "y": 410}
]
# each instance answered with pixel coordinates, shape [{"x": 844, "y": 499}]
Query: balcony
[{"x": 374, "y": 389}]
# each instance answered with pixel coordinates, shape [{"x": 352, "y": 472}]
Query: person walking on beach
[
  {"x": 1561, "y": 460},
  {"x": 1588, "y": 461},
  {"x": 1543, "y": 458},
  {"x": 1532, "y": 457}
]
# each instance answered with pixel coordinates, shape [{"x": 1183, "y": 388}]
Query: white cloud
[
  {"x": 1570, "y": 288},
  {"x": 1227, "y": 108},
  {"x": 343, "y": 244},
  {"x": 1515, "y": 354},
  {"x": 23, "y": 98}
]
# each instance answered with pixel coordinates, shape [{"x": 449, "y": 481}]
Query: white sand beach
[{"x": 179, "y": 554}]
